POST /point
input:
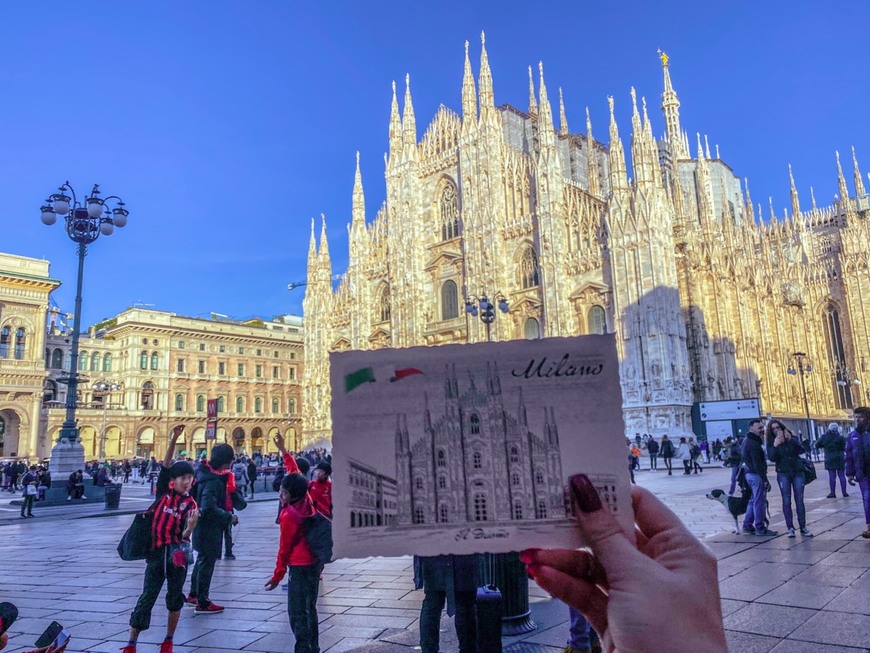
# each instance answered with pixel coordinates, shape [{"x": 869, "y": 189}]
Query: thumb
[{"x": 601, "y": 532}]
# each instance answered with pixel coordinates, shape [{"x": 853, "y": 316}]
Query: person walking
[
  {"x": 732, "y": 460},
  {"x": 667, "y": 452},
  {"x": 652, "y": 448},
  {"x": 696, "y": 452},
  {"x": 175, "y": 517},
  {"x": 858, "y": 460},
  {"x": 252, "y": 474},
  {"x": 454, "y": 579},
  {"x": 752, "y": 456},
  {"x": 295, "y": 555},
  {"x": 30, "y": 481},
  {"x": 785, "y": 451},
  {"x": 215, "y": 485},
  {"x": 684, "y": 453},
  {"x": 834, "y": 445}
]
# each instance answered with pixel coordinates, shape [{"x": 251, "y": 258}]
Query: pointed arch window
[
  {"x": 448, "y": 209},
  {"x": 442, "y": 482},
  {"x": 20, "y": 341},
  {"x": 442, "y": 458},
  {"x": 837, "y": 357},
  {"x": 95, "y": 361},
  {"x": 5, "y": 333},
  {"x": 419, "y": 515},
  {"x": 518, "y": 509},
  {"x": 107, "y": 363},
  {"x": 475, "y": 424},
  {"x": 449, "y": 300},
  {"x": 418, "y": 483},
  {"x": 384, "y": 304},
  {"x": 480, "y": 513},
  {"x": 477, "y": 460},
  {"x": 83, "y": 361},
  {"x": 443, "y": 513},
  {"x": 541, "y": 512},
  {"x": 515, "y": 479},
  {"x": 514, "y": 455},
  {"x": 596, "y": 321},
  {"x": 529, "y": 273}
]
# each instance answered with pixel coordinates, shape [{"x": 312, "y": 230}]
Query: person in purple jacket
[{"x": 858, "y": 460}]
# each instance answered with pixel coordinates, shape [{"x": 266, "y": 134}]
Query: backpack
[
  {"x": 318, "y": 534},
  {"x": 733, "y": 455}
]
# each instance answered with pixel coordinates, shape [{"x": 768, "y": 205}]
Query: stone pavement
[{"x": 778, "y": 594}]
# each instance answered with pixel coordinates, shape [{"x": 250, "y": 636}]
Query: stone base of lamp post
[{"x": 66, "y": 458}]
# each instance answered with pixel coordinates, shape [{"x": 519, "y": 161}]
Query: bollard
[{"x": 505, "y": 572}]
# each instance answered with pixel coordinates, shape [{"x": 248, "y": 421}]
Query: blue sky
[{"x": 226, "y": 126}]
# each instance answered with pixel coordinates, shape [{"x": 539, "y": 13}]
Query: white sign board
[
  {"x": 721, "y": 410},
  {"x": 719, "y": 429},
  {"x": 462, "y": 449}
]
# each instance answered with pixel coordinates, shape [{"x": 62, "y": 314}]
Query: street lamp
[
  {"x": 798, "y": 365},
  {"x": 85, "y": 221},
  {"x": 483, "y": 308},
  {"x": 105, "y": 390},
  {"x": 845, "y": 378}
]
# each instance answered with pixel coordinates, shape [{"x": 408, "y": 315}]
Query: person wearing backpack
[
  {"x": 296, "y": 555},
  {"x": 667, "y": 453}
]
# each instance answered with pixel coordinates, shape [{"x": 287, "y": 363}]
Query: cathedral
[
  {"x": 493, "y": 469},
  {"x": 709, "y": 298}
]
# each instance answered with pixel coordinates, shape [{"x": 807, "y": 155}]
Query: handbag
[
  {"x": 809, "y": 471},
  {"x": 135, "y": 543},
  {"x": 31, "y": 491}
]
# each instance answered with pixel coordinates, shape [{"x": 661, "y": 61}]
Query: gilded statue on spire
[{"x": 664, "y": 57}]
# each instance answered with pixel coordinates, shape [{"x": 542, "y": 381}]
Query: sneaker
[
  {"x": 866, "y": 534},
  {"x": 166, "y": 646},
  {"x": 791, "y": 532},
  {"x": 831, "y": 496},
  {"x": 191, "y": 600},
  {"x": 211, "y": 608},
  {"x": 845, "y": 495},
  {"x": 749, "y": 530},
  {"x": 84, "y": 497},
  {"x": 765, "y": 532},
  {"x": 229, "y": 556},
  {"x": 806, "y": 532},
  {"x": 69, "y": 498}
]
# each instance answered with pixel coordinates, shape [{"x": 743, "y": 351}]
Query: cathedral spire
[
  {"x": 750, "y": 211},
  {"x": 841, "y": 184},
  {"x": 795, "y": 201},
  {"x": 487, "y": 96},
  {"x": 312, "y": 250},
  {"x": 545, "y": 114},
  {"x": 533, "y": 105},
  {"x": 859, "y": 183},
  {"x": 616, "y": 154},
  {"x": 671, "y": 109},
  {"x": 563, "y": 119},
  {"x": 395, "y": 127},
  {"x": 323, "y": 255},
  {"x": 359, "y": 200},
  {"x": 469, "y": 95},
  {"x": 592, "y": 182},
  {"x": 638, "y": 144},
  {"x": 409, "y": 123},
  {"x": 813, "y": 199}
]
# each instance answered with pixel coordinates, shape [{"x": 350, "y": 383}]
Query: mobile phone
[
  {"x": 8, "y": 615},
  {"x": 49, "y": 635},
  {"x": 61, "y": 640}
]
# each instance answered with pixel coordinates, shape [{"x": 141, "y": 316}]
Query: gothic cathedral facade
[{"x": 708, "y": 299}]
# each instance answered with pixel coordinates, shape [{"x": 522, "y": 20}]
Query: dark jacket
[
  {"x": 667, "y": 449},
  {"x": 752, "y": 455},
  {"x": 787, "y": 457},
  {"x": 447, "y": 573},
  {"x": 733, "y": 459},
  {"x": 252, "y": 471},
  {"x": 834, "y": 446},
  {"x": 857, "y": 461},
  {"x": 652, "y": 447},
  {"x": 210, "y": 493}
]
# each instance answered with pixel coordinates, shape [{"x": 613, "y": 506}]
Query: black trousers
[
  {"x": 687, "y": 466},
  {"x": 465, "y": 620},
  {"x": 200, "y": 579},
  {"x": 228, "y": 540},
  {"x": 304, "y": 583},
  {"x": 27, "y": 506},
  {"x": 159, "y": 568},
  {"x": 653, "y": 461},
  {"x": 669, "y": 464}
]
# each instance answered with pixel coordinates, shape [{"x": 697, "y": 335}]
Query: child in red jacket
[{"x": 295, "y": 554}]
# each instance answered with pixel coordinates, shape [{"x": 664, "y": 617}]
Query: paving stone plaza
[{"x": 780, "y": 594}]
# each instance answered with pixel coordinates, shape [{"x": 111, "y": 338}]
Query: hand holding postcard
[{"x": 468, "y": 448}]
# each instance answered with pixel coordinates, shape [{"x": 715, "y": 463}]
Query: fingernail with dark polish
[
  {"x": 584, "y": 493},
  {"x": 529, "y": 556},
  {"x": 532, "y": 571}
]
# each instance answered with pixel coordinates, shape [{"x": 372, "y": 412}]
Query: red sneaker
[
  {"x": 166, "y": 646},
  {"x": 211, "y": 608},
  {"x": 191, "y": 600}
]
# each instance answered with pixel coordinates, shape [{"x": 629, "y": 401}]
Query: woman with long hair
[{"x": 784, "y": 449}]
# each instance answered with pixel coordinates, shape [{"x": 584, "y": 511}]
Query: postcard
[{"x": 468, "y": 448}]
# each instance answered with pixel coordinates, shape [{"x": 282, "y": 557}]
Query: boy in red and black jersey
[{"x": 175, "y": 516}]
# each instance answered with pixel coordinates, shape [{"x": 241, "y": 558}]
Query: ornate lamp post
[
  {"x": 845, "y": 377},
  {"x": 483, "y": 308},
  {"x": 798, "y": 365},
  {"x": 105, "y": 389},
  {"x": 85, "y": 221}
]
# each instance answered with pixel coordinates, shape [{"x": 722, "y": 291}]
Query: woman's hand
[
  {"x": 661, "y": 594},
  {"x": 272, "y": 584},
  {"x": 780, "y": 439}
]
